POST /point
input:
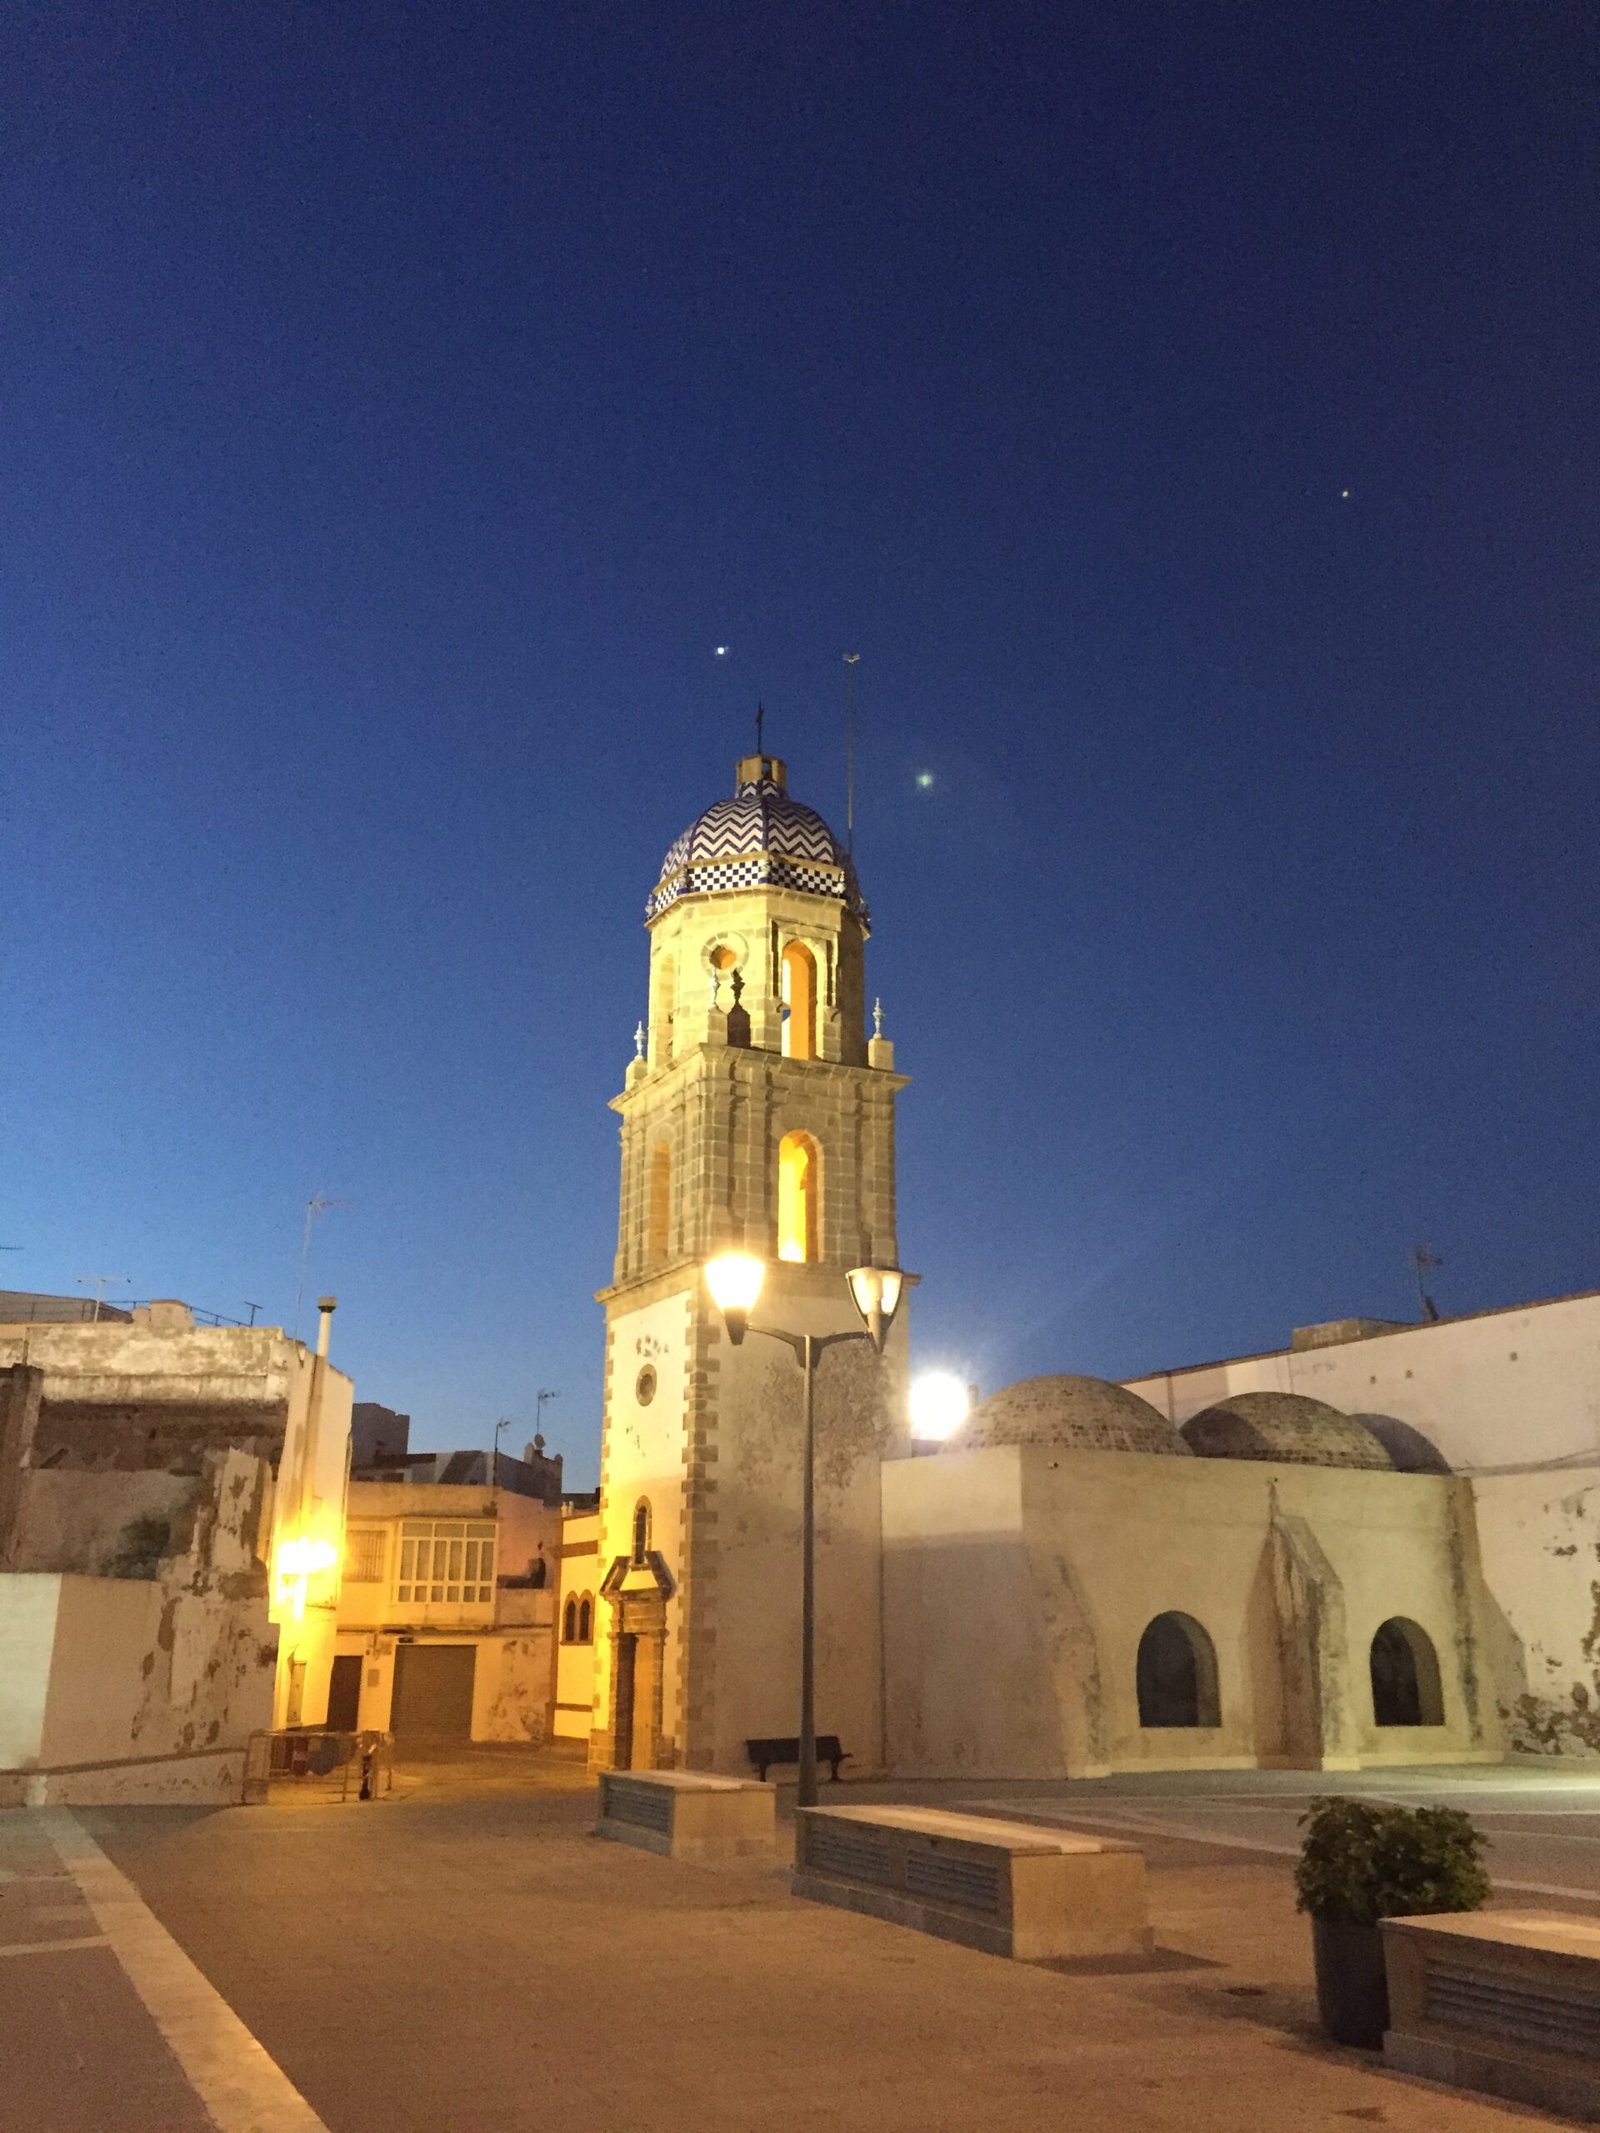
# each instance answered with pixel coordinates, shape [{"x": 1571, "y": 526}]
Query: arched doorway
[
  {"x": 1406, "y": 1690},
  {"x": 1176, "y": 1674}
]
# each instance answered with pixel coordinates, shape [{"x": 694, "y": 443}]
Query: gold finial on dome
[{"x": 761, "y": 770}]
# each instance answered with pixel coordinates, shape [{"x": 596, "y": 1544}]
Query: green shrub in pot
[{"x": 1362, "y": 1860}]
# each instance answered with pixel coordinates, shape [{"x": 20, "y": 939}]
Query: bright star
[
  {"x": 924, "y": 779},
  {"x": 722, "y": 651}
]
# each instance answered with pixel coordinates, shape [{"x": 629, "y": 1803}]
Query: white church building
[{"x": 1379, "y": 1545}]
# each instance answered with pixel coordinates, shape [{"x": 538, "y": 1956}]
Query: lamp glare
[{"x": 939, "y": 1405}]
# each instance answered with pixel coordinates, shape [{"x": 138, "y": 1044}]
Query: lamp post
[{"x": 735, "y": 1279}]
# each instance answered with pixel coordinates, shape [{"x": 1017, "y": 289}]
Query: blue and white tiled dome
[{"x": 760, "y": 838}]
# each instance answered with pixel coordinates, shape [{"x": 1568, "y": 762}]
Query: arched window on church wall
[
  {"x": 799, "y": 1197},
  {"x": 1406, "y": 1690},
  {"x": 1176, "y": 1674},
  {"x": 799, "y": 1038},
  {"x": 658, "y": 1223}
]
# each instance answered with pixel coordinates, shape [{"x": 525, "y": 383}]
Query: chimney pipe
[{"x": 326, "y": 1306}]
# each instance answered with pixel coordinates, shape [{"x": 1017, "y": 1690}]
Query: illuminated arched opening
[
  {"x": 799, "y": 1038},
  {"x": 799, "y": 1197},
  {"x": 658, "y": 1223}
]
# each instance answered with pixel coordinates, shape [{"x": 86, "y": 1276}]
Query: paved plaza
[{"x": 466, "y": 1957}]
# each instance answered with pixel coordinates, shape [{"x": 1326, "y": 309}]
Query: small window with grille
[
  {"x": 364, "y": 1553},
  {"x": 446, "y": 1562}
]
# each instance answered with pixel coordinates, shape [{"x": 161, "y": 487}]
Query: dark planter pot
[{"x": 1352, "y": 1991}]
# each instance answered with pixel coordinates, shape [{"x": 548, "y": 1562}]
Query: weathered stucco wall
[
  {"x": 511, "y": 1683},
  {"x": 1540, "y": 1540},
  {"x": 1019, "y": 1581},
  {"x": 1504, "y": 1389},
  {"x": 100, "y": 1524},
  {"x": 161, "y": 1669}
]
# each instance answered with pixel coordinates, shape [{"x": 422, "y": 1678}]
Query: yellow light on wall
[{"x": 299, "y": 1560}]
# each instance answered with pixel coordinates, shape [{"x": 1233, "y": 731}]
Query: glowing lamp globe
[
  {"x": 734, "y": 1279},
  {"x": 940, "y": 1404}
]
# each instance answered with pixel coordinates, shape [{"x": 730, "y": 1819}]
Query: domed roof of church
[
  {"x": 1080, "y": 1414},
  {"x": 1287, "y": 1427},
  {"x": 759, "y": 838}
]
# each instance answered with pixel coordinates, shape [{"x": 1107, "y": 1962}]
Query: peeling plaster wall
[
  {"x": 511, "y": 1684},
  {"x": 90, "y": 1523},
  {"x": 1019, "y": 1580},
  {"x": 1539, "y": 1535},
  {"x": 140, "y": 1669}
]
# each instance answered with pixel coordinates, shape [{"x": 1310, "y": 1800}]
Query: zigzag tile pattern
[{"x": 760, "y": 837}]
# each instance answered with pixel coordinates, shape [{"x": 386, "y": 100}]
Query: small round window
[{"x": 644, "y": 1390}]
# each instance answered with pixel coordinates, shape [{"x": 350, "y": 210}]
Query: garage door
[{"x": 433, "y": 1690}]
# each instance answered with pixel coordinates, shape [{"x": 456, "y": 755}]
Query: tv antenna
[
  {"x": 98, "y": 1282},
  {"x": 318, "y": 1204},
  {"x": 851, "y": 661},
  {"x": 1423, "y": 1263}
]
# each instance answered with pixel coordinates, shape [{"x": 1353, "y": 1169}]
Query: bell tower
[{"x": 759, "y": 1116}]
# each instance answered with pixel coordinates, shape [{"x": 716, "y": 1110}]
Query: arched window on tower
[
  {"x": 658, "y": 1225},
  {"x": 585, "y": 1620},
  {"x": 641, "y": 1532},
  {"x": 569, "y": 1623},
  {"x": 799, "y": 1197},
  {"x": 799, "y": 1035},
  {"x": 664, "y": 1007}
]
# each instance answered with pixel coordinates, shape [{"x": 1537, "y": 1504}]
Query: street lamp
[{"x": 735, "y": 1279}]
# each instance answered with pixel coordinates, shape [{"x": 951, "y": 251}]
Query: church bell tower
[{"x": 758, "y": 1116}]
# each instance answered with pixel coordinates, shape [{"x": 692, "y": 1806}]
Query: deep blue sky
[{"x": 401, "y": 403}]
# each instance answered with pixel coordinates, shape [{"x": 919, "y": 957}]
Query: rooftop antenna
[
  {"x": 100, "y": 1283},
  {"x": 1423, "y": 1263},
  {"x": 316, "y": 1205},
  {"x": 252, "y": 1309},
  {"x": 761, "y": 719},
  {"x": 538, "y": 1419},
  {"x": 851, "y": 661}
]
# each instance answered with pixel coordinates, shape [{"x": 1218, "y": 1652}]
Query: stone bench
[
  {"x": 1503, "y": 2001},
  {"x": 687, "y": 1814},
  {"x": 1008, "y": 1888}
]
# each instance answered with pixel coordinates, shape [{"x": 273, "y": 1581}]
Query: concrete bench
[
  {"x": 1006, "y": 1887},
  {"x": 1503, "y": 2001},
  {"x": 687, "y": 1814}
]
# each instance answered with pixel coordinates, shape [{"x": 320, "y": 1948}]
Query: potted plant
[{"x": 1362, "y": 1860}]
